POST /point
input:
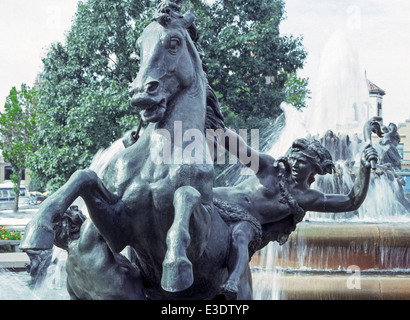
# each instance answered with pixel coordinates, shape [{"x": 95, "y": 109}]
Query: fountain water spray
[{"x": 374, "y": 232}]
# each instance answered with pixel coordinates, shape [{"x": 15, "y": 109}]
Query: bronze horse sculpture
[{"x": 149, "y": 198}]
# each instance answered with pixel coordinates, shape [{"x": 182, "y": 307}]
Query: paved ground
[{"x": 15, "y": 221}]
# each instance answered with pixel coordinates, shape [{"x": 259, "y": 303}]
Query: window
[
  {"x": 8, "y": 171},
  {"x": 4, "y": 194},
  {"x": 379, "y": 109}
]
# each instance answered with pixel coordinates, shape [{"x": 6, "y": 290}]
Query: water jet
[{"x": 327, "y": 250}]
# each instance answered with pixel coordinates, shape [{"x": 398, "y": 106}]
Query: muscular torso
[
  {"x": 260, "y": 195},
  {"x": 141, "y": 180}
]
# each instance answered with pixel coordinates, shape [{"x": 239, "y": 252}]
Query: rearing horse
[{"x": 164, "y": 210}]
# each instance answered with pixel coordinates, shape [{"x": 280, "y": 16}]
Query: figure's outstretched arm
[
  {"x": 342, "y": 203},
  {"x": 238, "y": 147}
]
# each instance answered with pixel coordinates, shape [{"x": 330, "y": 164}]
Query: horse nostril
[{"x": 152, "y": 87}]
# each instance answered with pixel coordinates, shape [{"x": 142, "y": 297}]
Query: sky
[
  {"x": 379, "y": 30},
  {"x": 27, "y": 29}
]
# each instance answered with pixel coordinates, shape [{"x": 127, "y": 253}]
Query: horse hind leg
[
  {"x": 177, "y": 272},
  {"x": 238, "y": 262}
]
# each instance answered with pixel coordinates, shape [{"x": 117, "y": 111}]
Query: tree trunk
[{"x": 17, "y": 192}]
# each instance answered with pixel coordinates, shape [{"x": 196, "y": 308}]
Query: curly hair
[{"x": 316, "y": 153}]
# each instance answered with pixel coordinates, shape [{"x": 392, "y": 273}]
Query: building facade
[
  {"x": 6, "y": 171},
  {"x": 376, "y": 100},
  {"x": 376, "y": 109}
]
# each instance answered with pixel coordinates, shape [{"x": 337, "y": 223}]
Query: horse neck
[{"x": 188, "y": 109}]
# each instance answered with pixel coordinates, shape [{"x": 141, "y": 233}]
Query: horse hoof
[
  {"x": 230, "y": 290},
  {"x": 177, "y": 275}
]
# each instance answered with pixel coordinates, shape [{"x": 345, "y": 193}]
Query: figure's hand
[{"x": 369, "y": 157}]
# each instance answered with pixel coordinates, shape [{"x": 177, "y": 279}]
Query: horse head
[{"x": 169, "y": 62}]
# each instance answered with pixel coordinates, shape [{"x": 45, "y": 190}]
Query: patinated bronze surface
[
  {"x": 388, "y": 146},
  {"x": 158, "y": 204},
  {"x": 187, "y": 239}
]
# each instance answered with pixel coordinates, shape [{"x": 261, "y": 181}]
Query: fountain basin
[
  {"x": 327, "y": 286},
  {"x": 336, "y": 246},
  {"x": 336, "y": 261}
]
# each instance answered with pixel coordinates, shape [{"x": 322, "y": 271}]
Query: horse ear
[{"x": 188, "y": 18}]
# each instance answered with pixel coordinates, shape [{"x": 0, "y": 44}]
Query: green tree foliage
[
  {"x": 83, "y": 102},
  {"x": 17, "y": 125},
  {"x": 83, "y": 90},
  {"x": 250, "y": 64},
  {"x": 296, "y": 90}
]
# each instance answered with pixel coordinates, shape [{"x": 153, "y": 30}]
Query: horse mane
[
  {"x": 167, "y": 10},
  {"x": 214, "y": 118}
]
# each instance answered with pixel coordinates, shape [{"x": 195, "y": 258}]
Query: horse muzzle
[{"x": 151, "y": 103}]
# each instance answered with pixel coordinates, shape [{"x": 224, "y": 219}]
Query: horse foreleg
[
  {"x": 83, "y": 183},
  {"x": 177, "y": 273},
  {"x": 39, "y": 231}
]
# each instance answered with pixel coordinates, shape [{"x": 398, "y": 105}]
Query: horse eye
[{"x": 174, "y": 43}]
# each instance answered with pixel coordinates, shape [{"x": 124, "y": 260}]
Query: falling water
[
  {"x": 103, "y": 157},
  {"x": 341, "y": 104},
  {"x": 53, "y": 286},
  {"x": 17, "y": 285},
  {"x": 341, "y": 98}
]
